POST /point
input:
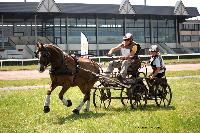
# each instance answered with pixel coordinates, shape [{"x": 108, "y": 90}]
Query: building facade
[
  {"x": 24, "y": 23},
  {"x": 190, "y": 35}
]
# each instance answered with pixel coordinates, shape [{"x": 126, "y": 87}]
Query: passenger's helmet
[
  {"x": 154, "y": 48},
  {"x": 128, "y": 36}
]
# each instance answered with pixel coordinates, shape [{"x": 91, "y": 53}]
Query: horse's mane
[
  {"x": 65, "y": 56},
  {"x": 57, "y": 49}
]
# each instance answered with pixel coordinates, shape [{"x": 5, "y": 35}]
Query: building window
[
  {"x": 78, "y": 25},
  {"x": 137, "y": 28},
  {"x": 190, "y": 27},
  {"x": 170, "y": 23},
  {"x": 59, "y": 31},
  {"x": 81, "y": 22},
  {"x": 195, "y": 38},
  {"x": 164, "y": 32},
  {"x": 110, "y": 30},
  {"x": 185, "y": 38},
  {"x": 91, "y": 23}
]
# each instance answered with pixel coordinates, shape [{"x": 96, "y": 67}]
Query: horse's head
[{"x": 43, "y": 54}]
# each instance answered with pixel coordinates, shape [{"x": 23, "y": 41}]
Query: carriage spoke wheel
[
  {"x": 138, "y": 96},
  {"x": 163, "y": 95},
  {"x": 102, "y": 97},
  {"x": 124, "y": 96}
]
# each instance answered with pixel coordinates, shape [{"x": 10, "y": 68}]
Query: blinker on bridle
[{"x": 46, "y": 54}]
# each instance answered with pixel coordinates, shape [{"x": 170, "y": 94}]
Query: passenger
[
  {"x": 156, "y": 62},
  {"x": 129, "y": 51}
]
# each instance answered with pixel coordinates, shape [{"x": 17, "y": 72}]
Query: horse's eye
[{"x": 47, "y": 55}]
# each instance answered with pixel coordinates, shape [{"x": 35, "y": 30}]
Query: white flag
[{"x": 84, "y": 45}]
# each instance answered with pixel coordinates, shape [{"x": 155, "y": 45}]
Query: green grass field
[{"x": 22, "y": 111}]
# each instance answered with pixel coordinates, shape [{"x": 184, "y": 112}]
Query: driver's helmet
[
  {"x": 154, "y": 48},
  {"x": 128, "y": 36}
]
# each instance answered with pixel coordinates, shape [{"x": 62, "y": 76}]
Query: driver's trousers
[{"x": 122, "y": 65}]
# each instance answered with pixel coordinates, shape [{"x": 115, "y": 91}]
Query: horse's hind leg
[
  {"x": 47, "y": 102},
  {"x": 87, "y": 106},
  {"x": 67, "y": 103},
  {"x": 86, "y": 98}
]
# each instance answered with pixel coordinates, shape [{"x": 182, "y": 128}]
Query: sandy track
[
  {"x": 34, "y": 74},
  {"x": 20, "y": 75}
]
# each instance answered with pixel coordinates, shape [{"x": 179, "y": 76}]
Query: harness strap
[{"x": 77, "y": 61}]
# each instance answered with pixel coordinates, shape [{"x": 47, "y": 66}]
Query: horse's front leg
[
  {"x": 48, "y": 97},
  {"x": 67, "y": 103}
]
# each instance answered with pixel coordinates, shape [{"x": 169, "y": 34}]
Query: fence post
[
  {"x": 1, "y": 63},
  {"x": 178, "y": 58},
  {"x": 99, "y": 59}
]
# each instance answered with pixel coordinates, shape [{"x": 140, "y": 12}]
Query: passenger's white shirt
[{"x": 158, "y": 62}]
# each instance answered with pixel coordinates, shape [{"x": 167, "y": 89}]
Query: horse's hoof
[
  {"x": 46, "y": 109},
  {"x": 69, "y": 103},
  {"x": 76, "y": 111},
  {"x": 86, "y": 110}
]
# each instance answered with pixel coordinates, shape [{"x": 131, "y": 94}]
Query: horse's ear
[{"x": 40, "y": 45}]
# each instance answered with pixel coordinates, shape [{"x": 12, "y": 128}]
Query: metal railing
[
  {"x": 16, "y": 60},
  {"x": 100, "y": 58}
]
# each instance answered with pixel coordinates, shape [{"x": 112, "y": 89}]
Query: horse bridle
[{"x": 46, "y": 54}]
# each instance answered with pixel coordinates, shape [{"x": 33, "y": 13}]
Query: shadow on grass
[
  {"x": 74, "y": 117},
  {"x": 155, "y": 108},
  {"x": 147, "y": 108}
]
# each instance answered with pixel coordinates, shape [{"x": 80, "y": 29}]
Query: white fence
[
  {"x": 174, "y": 56},
  {"x": 99, "y": 58},
  {"x": 17, "y": 60}
]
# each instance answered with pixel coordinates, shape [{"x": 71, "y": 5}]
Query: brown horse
[{"x": 67, "y": 71}]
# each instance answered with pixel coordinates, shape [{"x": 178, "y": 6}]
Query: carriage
[
  {"x": 69, "y": 71},
  {"x": 136, "y": 89}
]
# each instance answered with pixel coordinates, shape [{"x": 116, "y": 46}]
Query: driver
[{"x": 129, "y": 51}]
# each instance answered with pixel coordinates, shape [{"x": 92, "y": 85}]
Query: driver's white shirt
[{"x": 125, "y": 51}]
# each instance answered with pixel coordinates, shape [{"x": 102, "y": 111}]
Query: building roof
[{"x": 31, "y": 7}]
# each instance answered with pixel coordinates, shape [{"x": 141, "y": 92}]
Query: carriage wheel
[
  {"x": 163, "y": 94},
  {"x": 102, "y": 97},
  {"x": 138, "y": 96},
  {"x": 124, "y": 96}
]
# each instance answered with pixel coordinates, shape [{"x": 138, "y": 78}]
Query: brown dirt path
[
  {"x": 21, "y": 75},
  {"x": 178, "y": 67},
  {"x": 34, "y": 74}
]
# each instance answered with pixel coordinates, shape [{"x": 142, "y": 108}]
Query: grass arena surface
[{"x": 22, "y": 110}]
